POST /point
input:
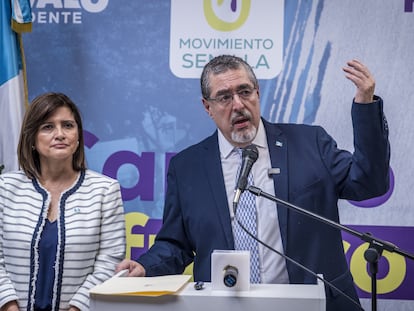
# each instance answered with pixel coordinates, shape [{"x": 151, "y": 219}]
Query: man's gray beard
[{"x": 243, "y": 137}]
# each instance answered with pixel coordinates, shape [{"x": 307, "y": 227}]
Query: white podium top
[{"x": 260, "y": 297}]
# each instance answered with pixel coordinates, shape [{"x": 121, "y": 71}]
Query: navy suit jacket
[{"x": 314, "y": 174}]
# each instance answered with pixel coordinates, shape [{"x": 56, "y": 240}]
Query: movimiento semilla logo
[
  {"x": 214, "y": 19},
  {"x": 251, "y": 30}
]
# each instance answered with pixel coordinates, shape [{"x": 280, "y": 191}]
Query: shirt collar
[{"x": 226, "y": 148}]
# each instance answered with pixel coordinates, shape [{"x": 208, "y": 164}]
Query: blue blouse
[{"x": 46, "y": 275}]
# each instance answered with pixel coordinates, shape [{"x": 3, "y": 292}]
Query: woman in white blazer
[{"x": 62, "y": 227}]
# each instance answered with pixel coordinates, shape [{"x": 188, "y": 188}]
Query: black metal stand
[{"x": 372, "y": 254}]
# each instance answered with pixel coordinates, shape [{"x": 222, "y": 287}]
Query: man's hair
[
  {"x": 221, "y": 64},
  {"x": 41, "y": 108}
]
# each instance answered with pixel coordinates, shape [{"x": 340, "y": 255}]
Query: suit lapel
[
  {"x": 278, "y": 156},
  {"x": 214, "y": 175},
  {"x": 278, "y": 145}
]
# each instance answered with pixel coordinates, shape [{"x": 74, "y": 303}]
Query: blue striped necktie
[{"x": 246, "y": 214}]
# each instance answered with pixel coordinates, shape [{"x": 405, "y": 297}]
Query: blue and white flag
[{"x": 15, "y": 18}]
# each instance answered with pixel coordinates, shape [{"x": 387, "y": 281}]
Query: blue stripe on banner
[{"x": 10, "y": 62}]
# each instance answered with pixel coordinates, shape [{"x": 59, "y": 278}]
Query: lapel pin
[{"x": 279, "y": 143}]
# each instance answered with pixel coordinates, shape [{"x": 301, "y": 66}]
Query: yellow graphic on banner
[
  {"x": 397, "y": 271},
  {"x": 135, "y": 240},
  {"x": 221, "y": 25}
]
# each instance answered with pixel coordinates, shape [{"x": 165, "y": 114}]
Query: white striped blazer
[{"x": 91, "y": 237}]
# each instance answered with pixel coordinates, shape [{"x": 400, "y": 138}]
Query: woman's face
[{"x": 57, "y": 139}]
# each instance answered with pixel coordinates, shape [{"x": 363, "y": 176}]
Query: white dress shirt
[{"x": 272, "y": 266}]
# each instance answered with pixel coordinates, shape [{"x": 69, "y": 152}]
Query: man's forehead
[{"x": 230, "y": 79}]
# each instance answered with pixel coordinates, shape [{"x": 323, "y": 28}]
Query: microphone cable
[{"x": 293, "y": 261}]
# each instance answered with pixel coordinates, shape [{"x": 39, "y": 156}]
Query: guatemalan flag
[{"x": 15, "y": 18}]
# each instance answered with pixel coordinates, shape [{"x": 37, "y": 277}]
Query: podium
[{"x": 260, "y": 297}]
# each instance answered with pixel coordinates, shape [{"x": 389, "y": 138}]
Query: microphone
[{"x": 249, "y": 156}]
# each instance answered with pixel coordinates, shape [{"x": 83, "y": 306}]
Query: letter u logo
[{"x": 218, "y": 23}]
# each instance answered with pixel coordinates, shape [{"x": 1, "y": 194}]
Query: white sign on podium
[{"x": 260, "y": 297}]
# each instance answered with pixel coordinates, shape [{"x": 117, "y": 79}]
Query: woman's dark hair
[{"x": 41, "y": 108}]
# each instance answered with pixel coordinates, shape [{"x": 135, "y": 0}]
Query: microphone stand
[{"x": 371, "y": 255}]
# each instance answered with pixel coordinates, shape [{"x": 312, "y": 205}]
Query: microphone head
[
  {"x": 250, "y": 152},
  {"x": 249, "y": 156}
]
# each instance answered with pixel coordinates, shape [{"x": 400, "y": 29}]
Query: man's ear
[{"x": 207, "y": 106}]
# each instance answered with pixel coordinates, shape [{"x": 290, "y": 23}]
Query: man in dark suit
[{"x": 309, "y": 171}]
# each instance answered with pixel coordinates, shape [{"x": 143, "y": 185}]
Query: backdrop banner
[{"x": 133, "y": 68}]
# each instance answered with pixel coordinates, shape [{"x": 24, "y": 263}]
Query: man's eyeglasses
[{"x": 227, "y": 99}]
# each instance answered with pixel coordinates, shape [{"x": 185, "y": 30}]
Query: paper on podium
[{"x": 141, "y": 286}]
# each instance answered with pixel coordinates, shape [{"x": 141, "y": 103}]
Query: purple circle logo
[{"x": 377, "y": 201}]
